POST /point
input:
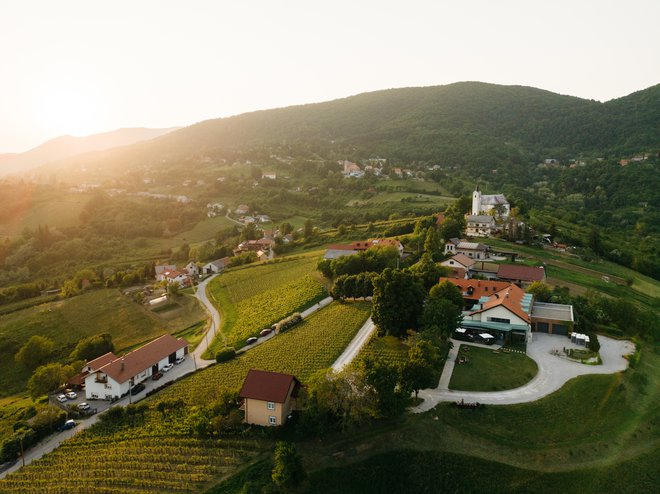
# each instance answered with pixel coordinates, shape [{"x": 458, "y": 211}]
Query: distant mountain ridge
[{"x": 67, "y": 146}]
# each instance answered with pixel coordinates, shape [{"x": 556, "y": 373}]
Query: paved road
[
  {"x": 202, "y": 296},
  {"x": 361, "y": 338},
  {"x": 554, "y": 372}
]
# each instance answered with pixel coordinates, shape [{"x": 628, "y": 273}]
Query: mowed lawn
[
  {"x": 68, "y": 321},
  {"x": 491, "y": 370}
]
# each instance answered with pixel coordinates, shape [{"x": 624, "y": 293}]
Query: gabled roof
[
  {"x": 523, "y": 273},
  {"x": 123, "y": 368},
  {"x": 99, "y": 362},
  {"x": 511, "y": 298},
  {"x": 267, "y": 386},
  {"x": 493, "y": 200},
  {"x": 463, "y": 259},
  {"x": 471, "y": 245},
  {"x": 480, "y": 288},
  {"x": 480, "y": 218}
]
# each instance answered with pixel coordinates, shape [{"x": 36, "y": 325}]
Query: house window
[
  {"x": 272, "y": 420},
  {"x": 499, "y": 319},
  {"x": 271, "y": 405},
  {"x": 108, "y": 386}
]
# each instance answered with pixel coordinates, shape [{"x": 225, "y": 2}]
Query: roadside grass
[
  {"x": 491, "y": 370},
  {"x": 193, "y": 334}
]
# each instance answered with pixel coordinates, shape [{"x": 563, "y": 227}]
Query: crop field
[
  {"x": 158, "y": 453},
  {"x": 253, "y": 298},
  {"x": 314, "y": 344},
  {"x": 388, "y": 348},
  {"x": 137, "y": 465}
]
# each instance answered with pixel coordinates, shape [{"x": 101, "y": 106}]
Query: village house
[
  {"x": 521, "y": 275},
  {"x": 484, "y": 269},
  {"x": 242, "y": 209},
  {"x": 217, "y": 266},
  {"x": 263, "y": 244},
  {"x": 480, "y": 225},
  {"x": 459, "y": 265},
  {"x": 160, "y": 268},
  {"x": 473, "y": 250},
  {"x": 174, "y": 277},
  {"x": 192, "y": 269},
  {"x": 117, "y": 375},
  {"x": 268, "y": 397},
  {"x": 269, "y": 175},
  {"x": 77, "y": 381},
  {"x": 339, "y": 250}
]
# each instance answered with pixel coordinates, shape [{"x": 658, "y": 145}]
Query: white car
[
  {"x": 72, "y": 395},
  {"x": 167, "y": 367},
  {"x": 61, "y": 398},
  {"x": 179, "y": 360},
  {"x": 83, "y": 406}
]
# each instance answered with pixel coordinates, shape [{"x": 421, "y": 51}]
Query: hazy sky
[{"x": 80, "y": 67}]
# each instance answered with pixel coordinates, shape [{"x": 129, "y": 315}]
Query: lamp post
[{"x": 130, "y": 395}]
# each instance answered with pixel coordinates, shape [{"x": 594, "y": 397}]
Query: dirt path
[{"x": 357, "y": 343}]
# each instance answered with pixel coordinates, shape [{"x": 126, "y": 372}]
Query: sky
[{"x": 82, "y": 67}]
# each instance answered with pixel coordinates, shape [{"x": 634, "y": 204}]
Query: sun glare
[{"x": 69, "y": 110}]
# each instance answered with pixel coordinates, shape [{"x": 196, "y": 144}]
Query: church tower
[{"x": 476, "y": 200}]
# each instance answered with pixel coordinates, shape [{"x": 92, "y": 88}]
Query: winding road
[
  {"x": 554, "y": 371},
  {"x": 202, "y": 296}
]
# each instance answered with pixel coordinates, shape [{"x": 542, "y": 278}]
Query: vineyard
[
  {"x": 315, "y": 344},
  {"x": 388, "y": 348},
  {"x": 254, "y": 298},
  {"x": 157, "y": 452}
]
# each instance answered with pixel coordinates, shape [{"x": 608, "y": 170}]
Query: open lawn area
[{"x": 485, "y": 369}]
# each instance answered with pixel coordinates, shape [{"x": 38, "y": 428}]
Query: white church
[{"x": 482, "y": 204}]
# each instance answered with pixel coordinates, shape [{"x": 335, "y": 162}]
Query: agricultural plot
[
  {"x": 144, "y": 464},
  {"x": 157, "y": 453},
  {"x": 387, "y": 348},
  {"x": 254, "y": 298},
  {"x": 314, "y": 344}
]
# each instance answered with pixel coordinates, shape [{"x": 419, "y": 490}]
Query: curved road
[
  {"x": 202, "y": 296},
  {"x": 554, "y": 372}
]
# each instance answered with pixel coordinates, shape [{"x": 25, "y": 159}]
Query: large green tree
[
  {"x": 48, "y": 378},
  {"x": 35, "y": 352},
  {"x": 447, "y": 290},
  {"x": 397, "y": 302},
  {"x": 288, "y": 470},
  {"x": 440, "y": 317}
]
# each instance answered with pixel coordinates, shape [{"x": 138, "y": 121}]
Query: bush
[
  {"x": 225, "y": 354},
  {"x": 288, "y": 323}
]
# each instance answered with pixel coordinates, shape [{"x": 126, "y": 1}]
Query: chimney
[{"x": 122, "y": 363}]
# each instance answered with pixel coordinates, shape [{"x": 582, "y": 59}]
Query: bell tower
[{"x": 476, "y": 200}]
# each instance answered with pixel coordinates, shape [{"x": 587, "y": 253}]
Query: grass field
[
  {"x": 254, "y": 297},
  {"x": 55, "y": 210},
  {"x": 490, "y": 370},
  {"x": 388, "y": 348},
  {"x": 412, "y": 197},
  {"x": 156, "y": 452},
  {"x": 67, "y": 321},
  {"x": 204, "y": 230}
]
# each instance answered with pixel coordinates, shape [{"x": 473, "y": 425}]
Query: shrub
[
  {"x": 288, "y": 323},
  {"x": 225, "y": 354}
]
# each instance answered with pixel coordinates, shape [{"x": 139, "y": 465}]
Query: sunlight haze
[{"x": 79, "y": 67}]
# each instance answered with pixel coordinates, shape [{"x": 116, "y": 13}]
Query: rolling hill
[{"x": 67, "y": 146}]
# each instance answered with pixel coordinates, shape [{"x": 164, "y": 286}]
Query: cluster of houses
[{"x": 242, "y": 211}]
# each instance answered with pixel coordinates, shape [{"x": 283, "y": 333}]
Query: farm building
[
  {"x": 522, "y": 276},
  {"x": 269, "y": 397},
  {"x": 217, "y": 266},
  {"x": 117, "y": 375}
]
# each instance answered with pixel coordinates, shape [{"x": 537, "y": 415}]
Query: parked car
[
  {"x": 69, "y": 424},
  {"x": 462, "y": 335},
  {"x": 61, "y": 398},
  {"x": 484, "y": 338},
  {"x": 167, "y": 367},
  {"x": 83, "y": 407},
  {"x": 179, "y": 360},
  {"x": 251, "y": 340},
  {"x": 72, "y": 395},
  {"x": 265, "y": 332},
  {"x": 156, "y": 376},
  {"x": 137, "y": 389}
]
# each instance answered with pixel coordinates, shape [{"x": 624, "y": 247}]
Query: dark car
[
  {"x": 265, "y": 332},
  {"x": 462, "y": 335},
  {"x": 251, "y": 340},
  {"x": 69, "y": 424},
  {"x": 157, "y": 376},
  {"x": 137, "y": 389}
]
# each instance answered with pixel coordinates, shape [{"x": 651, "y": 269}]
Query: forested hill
[{"x": 439, "y": 123}]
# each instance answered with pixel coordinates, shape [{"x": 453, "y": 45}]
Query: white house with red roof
[
  {"x": 114, "y": 378},
  {"x": 174, "y": 276}
]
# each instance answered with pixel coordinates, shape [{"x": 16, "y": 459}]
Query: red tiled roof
[
  {"x": 510, "y": 298},
  {"x": 340, "y": 247},
  {"x": 99, "y": 362},
  {"x": 457, "y": 273},
  {"x": 480, "y": 288},
  {"x": 523, "y": 273},
  {"x": 126, "y": 367},
  {"x": 267, "y": 386}
]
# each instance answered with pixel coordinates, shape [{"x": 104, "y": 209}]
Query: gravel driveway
[{"x": 554, "y": 372}]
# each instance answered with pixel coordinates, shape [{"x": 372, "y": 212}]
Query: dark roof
[
  {"x": 267, "y": 386},
  {"x": 523, "y": 273},
  {"x": 124, "y": 368}
]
